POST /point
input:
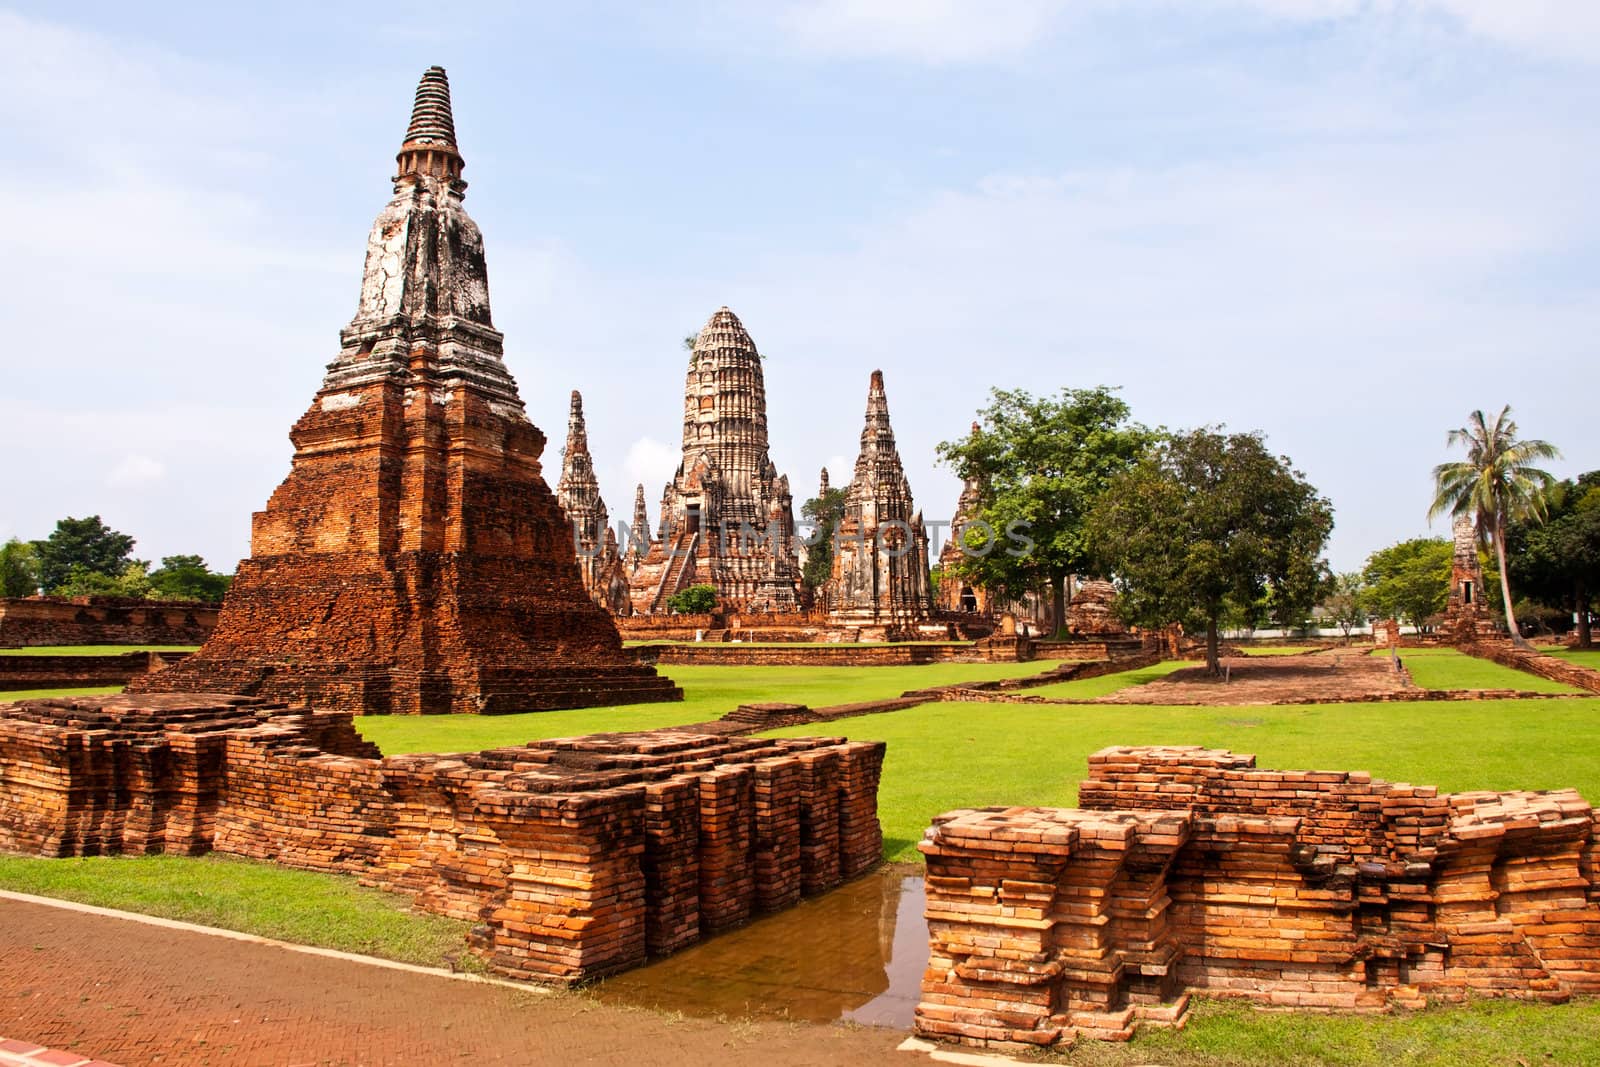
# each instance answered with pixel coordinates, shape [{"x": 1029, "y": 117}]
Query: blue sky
[{"x": 1345, "y": 223}]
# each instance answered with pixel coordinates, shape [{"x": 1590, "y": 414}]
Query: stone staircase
[{"x": 679, "y": 568}]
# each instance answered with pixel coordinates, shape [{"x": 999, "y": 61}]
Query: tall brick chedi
[
  {"x": 414, "y": 560},
  {"x": 727, "y": 516},
  {"x": 578, "y": 492},
  {"x": 880, "y": 568}
]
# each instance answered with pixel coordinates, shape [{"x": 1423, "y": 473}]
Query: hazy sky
[{"x": 1345, "y": 223}]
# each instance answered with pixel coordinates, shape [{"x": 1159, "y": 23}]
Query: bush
[{"x": 695, "y": 600}]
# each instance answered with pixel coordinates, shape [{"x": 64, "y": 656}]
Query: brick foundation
[
  {"x": 1190, "y": 870},
  {"x": 577, "y": 857}
]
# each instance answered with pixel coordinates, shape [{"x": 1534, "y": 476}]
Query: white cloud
[
  {"x": 979, "y": 31},
  {"x": 136, "y": 472},
  {"x": 934, "y": 31},
  {"x": 651, "y": 464}
]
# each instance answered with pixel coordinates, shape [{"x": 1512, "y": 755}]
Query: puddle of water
[{"x": 856, "y": 953}]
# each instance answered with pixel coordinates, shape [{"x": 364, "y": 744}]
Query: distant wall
[
  {"x": 79, "y": 672},
  {"x": 104, "y": 621}
]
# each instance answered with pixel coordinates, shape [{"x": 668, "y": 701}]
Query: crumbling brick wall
[
  {"x": 33, "y": 621},
  {"x": 577, "y": 857},
  {"x": 1190, "y": 869}
]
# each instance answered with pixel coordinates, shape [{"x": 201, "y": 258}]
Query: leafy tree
[
  {"x": 695, "y": 600},
  {"x": 1346, "y": 603},
  {"x": 86, "y": 545},
  {"x": 1042, "y": 463},
  {"x": 19, "y": 569},
  {"x": 188, "y": 578},
  {"x": 823, "y": 512},
  {"x": 1557, "y": 562},
  {"x": 133, "y": 582},
  {"x": 1497, "y": 483},
  {"x": 1410, "y": 580},
  {"x": 1205, "y": 519}
]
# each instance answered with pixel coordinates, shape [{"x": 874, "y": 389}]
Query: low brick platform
[
  {"x": 578, "y": 857},
  {"x": 1190, "y": 870},
  {"x": 25, "y": 672}
]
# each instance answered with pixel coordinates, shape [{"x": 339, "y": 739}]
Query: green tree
[
  {"x": 1497, "y": 484},
  {"x": 133, "y": 582},
  {"x": 188, "y": 578},
  {"x": 823, "y": 512},
  {"x": 1557, "y": 562},
  {"x": 1042, "y": 463},
  {"x": 1410, "y": 580},
  {"x": 695, "y": 600},
  {"x": 1346, "y": 602},
  {"x": 1205, "y": 519},
  {"x": 19, "y": 569},
  {"x": 86, "y": 545}
]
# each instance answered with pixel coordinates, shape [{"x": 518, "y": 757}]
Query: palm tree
[{"x": 1496, "y": 484}]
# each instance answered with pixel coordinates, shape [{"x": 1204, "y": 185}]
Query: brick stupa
[{"x": 414, "y": 560}]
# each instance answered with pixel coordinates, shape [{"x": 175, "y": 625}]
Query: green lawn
[
  {"x": 1090, "y": 688},
  {"x": 1485, "y": 1033},
  {"x": 39, "y": 694},
  {"x": 944, "y": 756},
  {"x": 304, "y": 907},
  {"x": 709, "y": 693},
  {"x": 1583, "y": 657},
  {"x": 92, "y": 650},
  {"x": 1445, "y": 668}
]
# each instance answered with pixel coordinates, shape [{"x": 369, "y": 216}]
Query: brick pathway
[
  {"x": 1339, "y": 674},
  {"x": 120, "y": 991}
]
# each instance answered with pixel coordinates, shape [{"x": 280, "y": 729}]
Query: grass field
[
  {"x": 303, "y": 907},
  {"x": 92, "y": 650},
  {"x": 709, "y": 693},
  {"x": 36, "y": 694},
  {"x": 1446, "y": 668},
  {"x": 1584, "y": 657},
  {"x": 944, "y": 756},
  {"x": 1485, "y": 1033}
]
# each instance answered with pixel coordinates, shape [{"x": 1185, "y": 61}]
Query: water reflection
[{"x": 857, "y": 953}]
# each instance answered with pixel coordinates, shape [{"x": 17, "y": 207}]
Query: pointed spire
[
  {"x": 823, "y": 490},
  {"x": 724, "y": 330},
  {"x": 577, "y": 429},
  {"x": 641, "y": 518},
  {"x": 430, "y": 145},
  {"x": 877, "y": 404}
]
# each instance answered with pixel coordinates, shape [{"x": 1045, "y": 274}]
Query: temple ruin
[
  {"x": 1467, "y": 617},
  {"x": 727, "y": 516},
  {"x": 879, "y": 584},
  {"x": 593, "y": 539},
  {"x": 1191, "y": 870},
  {"x": 576, "y": 857},
  {"x": 414, "y": 560}
]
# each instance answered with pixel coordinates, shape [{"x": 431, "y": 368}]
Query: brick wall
[
  {"x": 103, "y": 621},
  {"x": 1192, "y": 870},
  {"x": 578, "y": 857}
]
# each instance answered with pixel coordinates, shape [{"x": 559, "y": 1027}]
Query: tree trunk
[
  {"x": 1585, "y": 637},
  {"x": 1213, "y": 658},
  {"x": 1505, "y": 581},
  {"x": 1058, "y": 605}
]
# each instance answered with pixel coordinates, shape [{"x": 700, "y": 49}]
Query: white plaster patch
[
  {"x": 508, "y": 411},
  {"x": 340, "y": 401},
  {"x": 443, "y": 396}
]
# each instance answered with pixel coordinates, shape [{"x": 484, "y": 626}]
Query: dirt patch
[
  {"x": 1342, "y": 674},
  {"x": 138, "y": 994}
]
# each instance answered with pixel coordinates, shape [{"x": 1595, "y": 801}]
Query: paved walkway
[{"x": 109, "y": 989}]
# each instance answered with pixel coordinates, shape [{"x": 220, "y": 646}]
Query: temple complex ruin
[
  {"x": 1191, "y": 870},
  {"x": 880, "y": 565},
  {"x": 727, "y": 516},
  {"x": 414, "y": 560},
  {"x": 576, "y": 857},
  {"x": 578, "y": 492}
]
